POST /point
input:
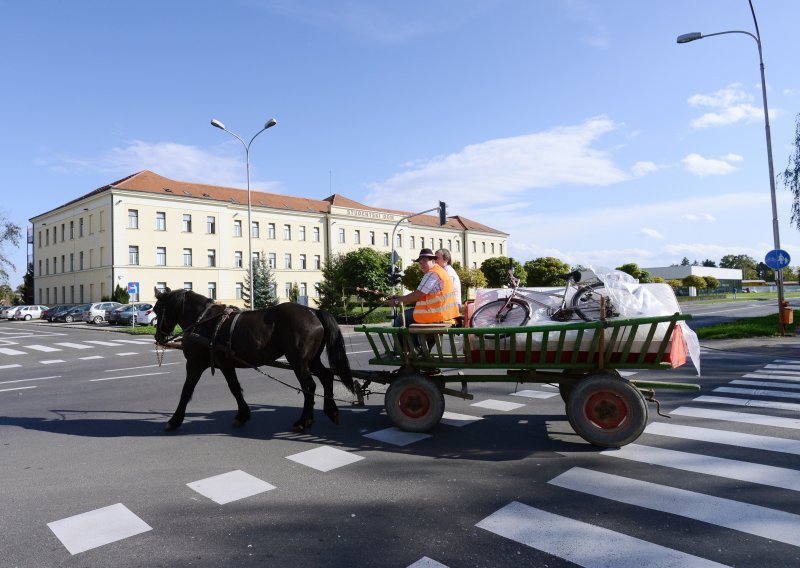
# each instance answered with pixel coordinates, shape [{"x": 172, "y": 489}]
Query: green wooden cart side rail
[{"x": 635, "y": 343}]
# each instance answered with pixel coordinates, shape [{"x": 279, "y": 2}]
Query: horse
[{"x": 215, "y": 335}]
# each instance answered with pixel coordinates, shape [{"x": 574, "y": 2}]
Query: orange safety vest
[{"x": 439, "y": 307}]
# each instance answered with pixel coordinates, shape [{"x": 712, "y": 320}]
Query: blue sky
[{"x": 579, "y": 127}]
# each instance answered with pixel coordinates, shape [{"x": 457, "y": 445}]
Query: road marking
[
  {"x": 140, "y": 367},
  {"x": 458, "y": 420},
  {"x": 771, "y": 377},
  {"x": 756, "y": 392},
  {"x": 396, "y": 437},
  {"x": 794, "y": 385},
  {"x": 8, "y": 351},
  {"x": 28, "y": 380},
  {"x": 492, "y": 404},
  {"x": 746, "y": 402},
  {"x": 582, "y": 543},
  {"x": 742, "y": 517},
  {"x": 325, "y": 458},
  {"x": 51, "y": 361},
  {"x": 92, "y": 357},
  {"x": 104, "y": 343},
  {"x": 754, "y": 441},
  {"x": 786, "y": 367},
  {"x": 96, "y": 528},
  {"x": 125, "y": 354},
  {"x": 231, "y": 486},
  {"x": 76, "y": 345},
  {"x": 44, "y": 348},
  {"x": 534, "y": 394},
  {"x": 709, "y": 465},
  {"x": 743, "y": 417},
  {"x": 16, "y": 389},
  {"x": 10, "y": 366},
  {"x": 126, "y": 377},
  {"x": 779, "y": 372},
  {"x": 426, "y": 562}
]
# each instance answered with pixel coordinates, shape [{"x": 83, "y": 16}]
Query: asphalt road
[{"x": 89, "y": 478}]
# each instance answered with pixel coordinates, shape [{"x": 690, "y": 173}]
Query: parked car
[
  {"x": 72, "y": 314},
  {"x": 115, "y": 316},
  {"x": 54, "y": 315},
  {"x": 7, "y": 312},
  {"x": 50, "y": 311},
  {"x": 141, "y": 314},
  {"x": 98, "y": 312},
  {"x": 28, "y": 313}
]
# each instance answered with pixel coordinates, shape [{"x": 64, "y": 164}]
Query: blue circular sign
[{"x": 777, "y": 259}]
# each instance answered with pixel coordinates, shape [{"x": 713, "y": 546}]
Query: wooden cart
[{"x": 583, "y": 359}]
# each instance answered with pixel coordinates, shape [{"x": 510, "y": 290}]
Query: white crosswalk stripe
[
  {"x": 749, "y": 402},
  {"x": 757, "y": 392},
  {"x": 743, "y": 417},
  {"x": 753, "y": 441}
]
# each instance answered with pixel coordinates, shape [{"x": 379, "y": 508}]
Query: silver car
[
  {"x": 28, "y": 313},
  {"x": 98, "y": 312}
]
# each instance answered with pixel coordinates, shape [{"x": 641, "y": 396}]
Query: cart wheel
[
  {"x": 607, "y": 411},
  {"x": 414, "y": 403}
]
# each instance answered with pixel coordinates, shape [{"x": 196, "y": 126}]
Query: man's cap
[{"x": 425, "y": 253}]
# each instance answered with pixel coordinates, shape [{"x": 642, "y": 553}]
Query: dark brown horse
[{"x": 225, "y": 338}]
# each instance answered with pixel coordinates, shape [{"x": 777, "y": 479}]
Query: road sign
[
  {"x": 777, "y": 259},
  {"x": 133, "y": 287}
]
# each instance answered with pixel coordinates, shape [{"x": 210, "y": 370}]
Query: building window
[
  {"x": 317, "y": 262},
  {"x": 161, "y": 287},
  {"x": 47, "y": 267},
  {"x": 237, "y": 228},
  {"x": 341, "y": 235},
  {"x": 255, "y": 231},
  {"x": 372, "y": 237},
  {"x": 62, "y": 240},
  {"x": 71, "y": 262},
  {"x": 161, "y": 256},
  {"x": 187, "y": 257},
  {"x": 301, "y": 233},
  {"x": 161, "y": 221},
  {"x": 237, "y": 259},
  {"x": 63, "y": 258},
  {"x": 133, "y": 219},
  {"x": 211, "y": 225},
  {"x": 386, "y": 239},
  {"x": 254, "y": 259},
  {"x": 287, "y": 260},
  {"x": 287, "y": 232},
  {"x": 357, "y": 237},
  {"x": 271, "y": 231},
  {"x": 133, "y": 256},
  {"x": 212, "y": 258},
  {"x": 212, "y": 290},
  {"x": 288, "y": 289},
  {"x": 458, "y": 246},
  {"x": 492, "y": 248},
  {"x": 501, "y": 248},
  {"x": 272, "y": 260},
  {"x": 449, "y": 244},
  {"x": 411, "y": 242},
  {"x": 398, "y": 241},
  {"x": 187, "y": 285},
  {"x": 315, "y": 234},
  {"x": 239, "y": 289},
  {"x": 483, "y": 247},
  {"x": 474, "y": 246},
  {"x": 80, "y": 227},
  {"x": 302, "y": 262},
  {"x": 187, "y": 223},
  {"x": 303, "y": 289},
  {"x": 71, "y": 230}
]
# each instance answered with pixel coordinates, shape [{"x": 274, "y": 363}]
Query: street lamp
[
  {"x": 269, "y": 124},
  {"x": 692, "y": 36}
]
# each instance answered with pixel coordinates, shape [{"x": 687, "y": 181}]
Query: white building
[
  {"x": 728, "y": 277},
  {"x": 161, "y": 233}
]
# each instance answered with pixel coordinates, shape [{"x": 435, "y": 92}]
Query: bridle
[{"x": 200, "y": 320}]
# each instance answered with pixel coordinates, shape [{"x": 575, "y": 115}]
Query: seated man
[{"x": 435, "y": 296}]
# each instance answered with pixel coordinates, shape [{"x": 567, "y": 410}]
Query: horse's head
[{"x": 168, "y": 309}]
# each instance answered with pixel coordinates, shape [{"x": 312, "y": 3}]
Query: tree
[
  {"x": 709, "y": 263},
  {"x": 121, "y": 295},
  {"x": 685, "y": 262},
  {"x": 711, "y": 282},
  {"x": 25, "y": 290},
  {"x": 791, "y": 175},
  {"x": 366, "y": 268},
  {"x": 471, "y": 278},
  {"x": 9, "y": 232},
  {"x": 264, "y": 292},
  {"x": 693, "y": 280},
  {"x": 496, "y": 271},
  {"x": 675, "y": 283},
  {"x": 765, "y": 272},
  {"x": 331, "y": 290},
  {"x": 7, "y": 295},
  {"x": 544, "y": 271},
  {"x": 412, "y": 276},
  {"x": 741, "y": 261},
  {"x": 294, "y": 293}
]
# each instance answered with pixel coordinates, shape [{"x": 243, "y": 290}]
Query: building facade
[
  {"x": 156, "y": 233},
  {"x": 729, "y": 278}
]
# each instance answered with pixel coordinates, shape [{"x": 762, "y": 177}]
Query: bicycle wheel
[
  {"x": 517, "y": 313},
  {"x": 586, "y": 302}
]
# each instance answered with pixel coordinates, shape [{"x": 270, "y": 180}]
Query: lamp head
[
  {"x": 270, "y": 123},
  {"x": 217, "y": 123},
  {"x": 691, "y": 36}
]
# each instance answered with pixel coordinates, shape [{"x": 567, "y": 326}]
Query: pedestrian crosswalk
[
  {"x": 535, "y": 522},
  {"x": 13, "y": 356},
  {"x": 588, "y": 545}
]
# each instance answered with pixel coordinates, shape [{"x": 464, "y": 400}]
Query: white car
[
  {"x": 28, "y": 313},
  {"x": 98, "y": 312},
  {"x": 8, "y": 312}
]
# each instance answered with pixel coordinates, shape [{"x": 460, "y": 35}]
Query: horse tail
[{"x": 337, "y": 355}]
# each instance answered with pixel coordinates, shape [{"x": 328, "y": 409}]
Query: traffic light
[
  {"x": 394, "y": 276},
  {"x": 442, "y": 213}
]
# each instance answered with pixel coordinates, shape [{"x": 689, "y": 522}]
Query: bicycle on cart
[{"x": 575, "y": 299}]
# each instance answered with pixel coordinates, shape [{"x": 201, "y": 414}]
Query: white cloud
[
  {"x": 643, "y": 168},
  {"x": 694, "y": 217},
  {"x": 791, "y": 92},
  {"x": 652, "y": 233},
  {"x": 499, "y": 170},
  {"x": 172, "y": 160},
  {"x": 728, "y": 106},
  {"x": 698, "y": 165}
]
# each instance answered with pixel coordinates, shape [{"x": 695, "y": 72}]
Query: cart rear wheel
[
  {"x": 414, "y": 403},
  {"x": 607, "y": 411}
]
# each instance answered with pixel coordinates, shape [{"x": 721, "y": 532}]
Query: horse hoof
[
  {"x": 298, "y": 428},
  {"x": 171, "y": 427},
  {"x": 239, "y": 423}
]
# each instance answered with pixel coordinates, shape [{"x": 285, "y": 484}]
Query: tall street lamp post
[
  {"x": 269, "y": 124},
  {"x": 686, "y": 38}
]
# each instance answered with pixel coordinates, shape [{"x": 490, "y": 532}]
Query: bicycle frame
[{"x": 551, "y": 312}]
